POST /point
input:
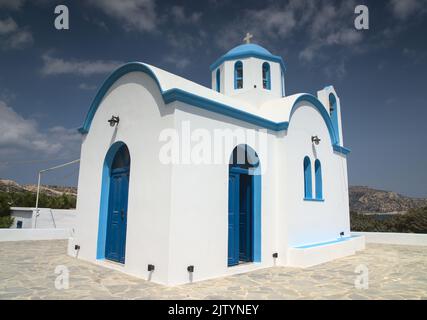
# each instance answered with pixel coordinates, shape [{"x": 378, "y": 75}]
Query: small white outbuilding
[{"x": 179, "y": 182}]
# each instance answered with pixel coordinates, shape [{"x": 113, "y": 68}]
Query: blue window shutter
[
  {"x": 318, "y": 175},
  {"x": 307, "y": 179}
]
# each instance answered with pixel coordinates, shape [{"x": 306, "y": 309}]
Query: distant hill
[
  {"x": 49, "y": 190},
  {"x": 12, "y": 194},
  {"x": 362, "y": 199},
  {"x": 368, "y": 200}
]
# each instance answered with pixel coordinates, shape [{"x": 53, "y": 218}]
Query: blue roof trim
[
  {"x": 175, "y": 94},
  {"x": 322, "y": 110},
  {"x": 341, "y": 149},
  {"x": 113, "y": 77},
  {"x": 210, "y": 105},
  {"x": 248, "y": 54},
  {"x": 325, "y": 115}
]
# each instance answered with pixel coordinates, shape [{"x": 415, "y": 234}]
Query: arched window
[
  {"x": 244, "y": 157},
  {"x": 266, "y": 77},
  {"x": 307, "y": 179},
  {"x": 238, "y": 75},
  {"x": 318, "y": 176},
  {"x": 218, "y": 80},
  {"x": 121, "y": 159},
  {"x": 333, "y": 111}
]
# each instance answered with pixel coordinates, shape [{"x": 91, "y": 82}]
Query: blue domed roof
[
  {"x": 245, "y": 51},
  {"x": 248, "y": 47}
]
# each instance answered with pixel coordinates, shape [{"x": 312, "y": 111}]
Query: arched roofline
[
  {"x": 319, "y": 107},
  {"x": 108, "y": 83},
  {"x": 326, "y": 118},
  {"x": 176, "y": 94}
]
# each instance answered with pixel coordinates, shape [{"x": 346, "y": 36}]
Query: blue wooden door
[
  {"x": 117, "y": 215},
  {"x": 245, "y": 221},
  {"x": 233, "y": 218}
]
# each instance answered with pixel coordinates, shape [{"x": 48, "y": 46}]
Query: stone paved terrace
[{"x": 395, "y": 272}]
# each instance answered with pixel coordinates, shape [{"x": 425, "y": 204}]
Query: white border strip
[
  {"x": 411, "y": 239},
  {"x": 34, "y": 234}
]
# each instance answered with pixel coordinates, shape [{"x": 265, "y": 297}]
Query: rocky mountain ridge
[
  {"x": 50, "y": 190},
  {"x": 362, "y": 199},
  {"x": 369, "y": 200}
]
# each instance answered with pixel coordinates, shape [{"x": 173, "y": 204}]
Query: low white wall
[
  {"x": 311, "y": 256},
  {"x": 22, "y": 215},
  {"x": 34, "y": 234},
  {"x": 62, "y": 218},
  {"x": 414, "y": 239}
]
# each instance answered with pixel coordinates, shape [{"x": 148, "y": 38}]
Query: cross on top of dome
[{"x": 248, "y": 37}]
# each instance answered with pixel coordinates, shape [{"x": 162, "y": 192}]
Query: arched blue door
[
  {"x": 243, "y": 207},
  {"x": 117, "y": 206}
]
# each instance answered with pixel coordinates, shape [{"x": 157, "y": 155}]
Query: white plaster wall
[
  {"x": 221, "y": 80},
  {"x": 177, "y": 214},
  {"x": 199, "y": 221},
  {"x": 62, "y": 218},
  {"x": 136, "y": 99},
  {"x": 309, "y": 222},
  {"x": 252, "y": 76},
  {"x": 282, "y": 187},
  {"x": 24, "y": 215}
]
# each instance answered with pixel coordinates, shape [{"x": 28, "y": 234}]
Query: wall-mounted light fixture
[
  {"x": 114, "y": 121},
  {"x": 315, "y": 139},
  {"x": 190, "y": 269},
  {"x": 76, "y": 247},
  {"x": 150, "y": 267},
  {"x": 275, "y": 255}
]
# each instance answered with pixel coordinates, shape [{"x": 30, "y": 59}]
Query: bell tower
[{"x": 249, "y": 72}]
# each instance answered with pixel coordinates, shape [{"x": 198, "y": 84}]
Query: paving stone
[{"x": 27, "y": 271}]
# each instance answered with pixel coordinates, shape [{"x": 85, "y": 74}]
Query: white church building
[{"x": 179, "y": 182}]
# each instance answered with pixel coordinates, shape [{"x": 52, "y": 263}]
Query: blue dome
[
  {"x": 245, "y": 51},
  {"x": 248, "y": 48}
]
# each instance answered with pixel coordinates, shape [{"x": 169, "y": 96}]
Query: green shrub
[
  {"x": 4, "y": 204},
  {"x": 28, "y": 199},
  {"x": 414, "y": 221},
  {"x": 6, "y": 222}
]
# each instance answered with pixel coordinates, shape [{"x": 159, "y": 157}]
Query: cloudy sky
[{"x": 48, "y": 78}]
